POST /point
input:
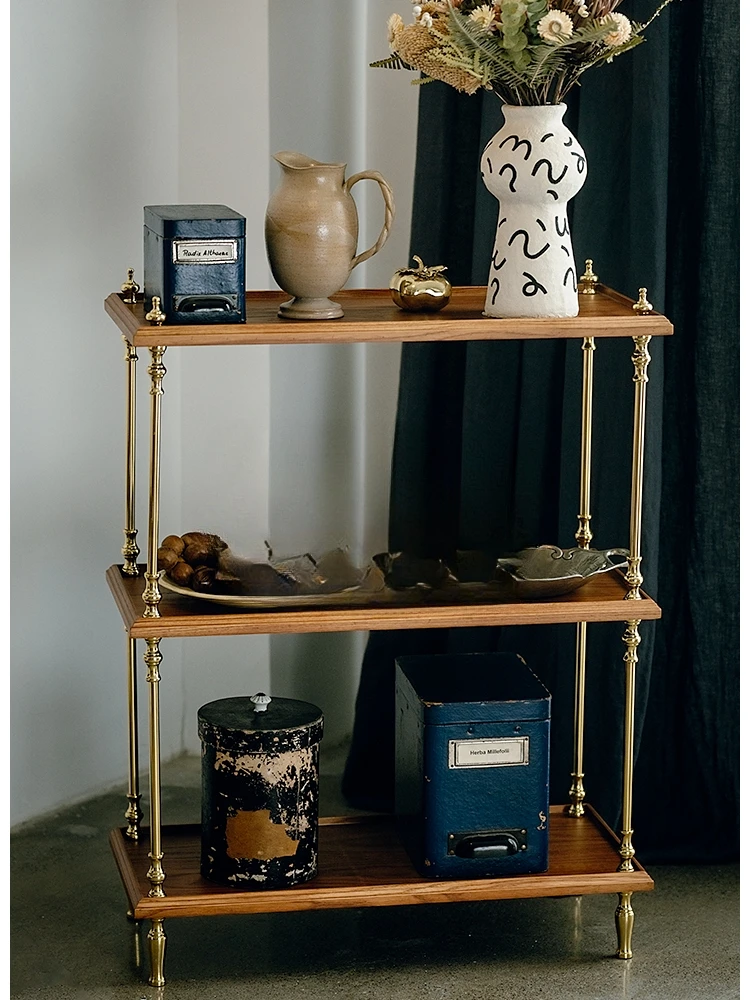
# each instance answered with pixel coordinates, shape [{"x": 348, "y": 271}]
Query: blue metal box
[
  {"x": 472, "y": 765},
  {"x": 194, "y": 260}
]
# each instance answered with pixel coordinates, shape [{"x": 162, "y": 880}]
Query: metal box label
[
  {"x": 488, "y": 753},
  {"x": 204, "y": 251}
]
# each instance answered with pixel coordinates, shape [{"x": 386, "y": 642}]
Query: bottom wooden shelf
[{"x": 362, "y": 863}]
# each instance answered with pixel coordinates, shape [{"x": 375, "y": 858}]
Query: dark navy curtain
[{"x": 486, "y": 452}]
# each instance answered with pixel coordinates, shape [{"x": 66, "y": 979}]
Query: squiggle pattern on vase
[{"x": 533, "y": 166}]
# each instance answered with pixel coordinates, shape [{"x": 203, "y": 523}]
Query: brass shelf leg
[
  {"x": 151, "y": 595},
  {"x": 577, "y": 794},
  {"x": 584, "y": 536},
  {"x": 133, "y": 813},
  {"x": 624, "y": 918},
  {"x": 130, "y": 550},
  {"x": 631, "y": 638},
  {"x": 157, "y": 943},
  {"x": 641, "y": 359},
  {"x": 155, "y": 874}
]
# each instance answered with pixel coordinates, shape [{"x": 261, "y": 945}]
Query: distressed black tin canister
[
  {"x": 259, "y": 791},
  {"x": 194, "y": 260}
]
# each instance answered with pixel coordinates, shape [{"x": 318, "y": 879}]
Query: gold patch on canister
[{"x": 255, "y": 835}]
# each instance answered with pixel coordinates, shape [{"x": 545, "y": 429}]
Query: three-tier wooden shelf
[{"x": 362, "y": 862}]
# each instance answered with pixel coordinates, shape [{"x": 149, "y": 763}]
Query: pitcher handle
[{"x": 385, "y": 190}]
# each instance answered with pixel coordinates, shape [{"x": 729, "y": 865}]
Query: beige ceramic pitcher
[{"x": 311, "y": 233}]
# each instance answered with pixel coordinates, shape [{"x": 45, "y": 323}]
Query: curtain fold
[{"x": 486, "y": 451}]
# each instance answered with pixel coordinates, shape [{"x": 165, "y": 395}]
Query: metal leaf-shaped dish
[{"x": 549, "y": 571}]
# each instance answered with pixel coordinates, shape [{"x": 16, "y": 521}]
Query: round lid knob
[{"x": 261, "y": 701}]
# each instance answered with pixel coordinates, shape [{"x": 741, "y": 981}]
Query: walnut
[
  {"x": 166, "y": 558},
  {"x": 173, "y": 542},
  {"x": 199, "y": 554},
  {"x": 181, "y": 573},
  {"x": 204, "y": 538}
]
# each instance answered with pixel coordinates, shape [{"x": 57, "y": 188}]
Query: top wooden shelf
[{"x": 371, "y": 316}]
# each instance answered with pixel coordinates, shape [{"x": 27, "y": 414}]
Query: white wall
[
  {"x": 333, "y": 407},
  {"x": 94, "y": 86},
  {"x": 224, "y": 158},
  {"x": 114, "y": 106}
]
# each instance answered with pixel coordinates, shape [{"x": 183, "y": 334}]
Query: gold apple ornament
[{"x": 420, "y": 288}]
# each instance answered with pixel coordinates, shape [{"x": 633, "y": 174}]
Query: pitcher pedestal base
[{"x": 299, "y": 308}]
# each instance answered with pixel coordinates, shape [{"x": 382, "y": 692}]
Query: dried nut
[
  {"x": 203, "y": 538},
  {"x": 181, "y": 573},
  {"x": 166, "y": 558},
  {"x": 199, "y": 554},
  {"x": 193, "y": 536},
  {"x": 173, "y": 542},
  {"x": 203, "y": 578}
]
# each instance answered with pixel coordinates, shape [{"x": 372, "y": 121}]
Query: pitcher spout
[{"x": 291, "y": 160}]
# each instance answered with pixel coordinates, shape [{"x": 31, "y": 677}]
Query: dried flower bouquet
[{"x": 529, "y": 52}]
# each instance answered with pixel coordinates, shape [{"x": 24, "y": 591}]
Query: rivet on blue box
[
  {"x": 472, "y": 765},
  {"x": 194, "y": 260}
]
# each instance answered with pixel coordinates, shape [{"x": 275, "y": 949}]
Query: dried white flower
[
  {"x": 555, "y": 26},
  {"x": 425, "y": 20},
  {"x": 395, "y": 26},
  {"x": 622, "y": 29},
  {"x": 483, "y": 16},
  {"x": 417, "y": 12},
  {"x": 583, "y": 10}
]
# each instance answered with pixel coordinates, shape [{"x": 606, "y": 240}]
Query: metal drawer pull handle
[
  {"x": 488, "y": 845},
  {"x": 196, "y": 303}
]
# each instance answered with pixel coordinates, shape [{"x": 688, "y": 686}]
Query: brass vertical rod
[
  {"x": 641, "y": 359},
  {"x": 577, "y": 793},
  {"x": 130, "y": 550},
  {"x": 151, "y": 595},
  {"x": 133, "y": 813},
  {"x": 631, "y": 638},
  {"x": 634, "y": 578},
  {"x": 624, "y": 916},
  {"x": 155, "y": 875},
  {"x": 584, "y": 536}
]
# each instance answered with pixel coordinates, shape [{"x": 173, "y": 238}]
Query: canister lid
[{"x": 252, "y": 725}]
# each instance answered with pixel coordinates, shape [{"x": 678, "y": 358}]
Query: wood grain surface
[
  {"x": 602, "y": 599},
  {"x": 371, "y": 315},
  {"x": 362, "y": 863}
]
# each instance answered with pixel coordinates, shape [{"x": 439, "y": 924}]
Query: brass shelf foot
[
  {"x": 624, "y": 918},
  {"x": 576, "y": 795},
  {"x": 157, "y": 943}
]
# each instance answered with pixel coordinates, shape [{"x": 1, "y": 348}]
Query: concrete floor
[{"x": 70, "y": 938}]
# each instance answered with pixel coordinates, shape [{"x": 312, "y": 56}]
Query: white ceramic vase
[{"x": 533, "y": 166}]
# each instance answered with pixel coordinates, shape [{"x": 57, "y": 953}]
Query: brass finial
[
  {"x": 156, "y": 315},
  {"x": 130, "y": 288},
  {"x": 588, "y": 280},
  {"x": 642, "y": 306}
]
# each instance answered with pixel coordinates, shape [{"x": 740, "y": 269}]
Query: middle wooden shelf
[{"x": 602, "y": 599}]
